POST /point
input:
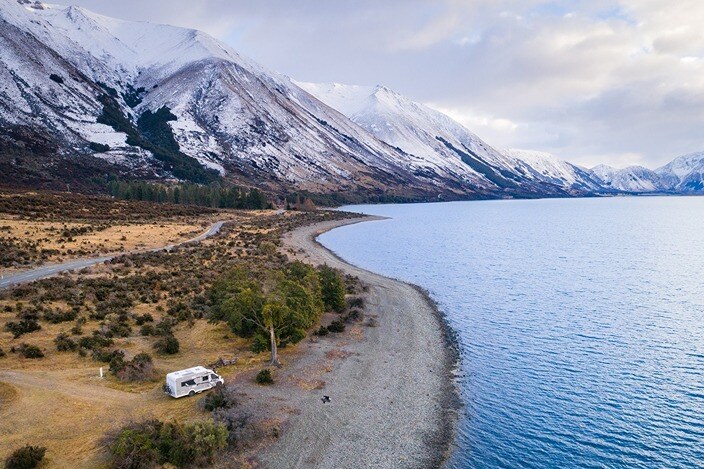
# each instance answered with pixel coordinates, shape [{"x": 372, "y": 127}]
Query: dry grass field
[
  {"x": 59, "y": 401},
  {"x": 51, "y": 242}
]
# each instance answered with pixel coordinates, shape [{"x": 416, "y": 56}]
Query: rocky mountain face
[
  {"x": 636, "y": 179},
  {"x": 684, "y": 174},
  {"x": 86, "y": 94},
  {"x": 572, "y": 178},
  {"x": 434, "y": 142}
]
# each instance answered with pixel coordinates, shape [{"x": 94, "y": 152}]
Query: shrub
[
  {"x": 146, "y": 444},
  {"x": 30, "y": 351},
  {"x": 58, "y": 316},
  {"x": 144, "y": 318},
  {"x": 96, "y": 341},
  {"x": 136, "y": 446},
  {"x": 64, "y": 343},
  {"x": 24, "y": 326},
  {"x": 164, "y": 327},
  {"x": 2, "y": 353},
  {"x": 264, "y": 377},
  {"x": 147, "y": 329},
  {"x": 167, "y": 345},
  {"x": 108, "y": 356},
  {"x": 355, "y": 316},
  {"x": 244, "y": 428},
  {"x": 27, "y": 457},
  {"x": 337, "y": 326},
  {"x": 220, "y": 398},
  {"x": 140, "y": 368},
  {"x": 322, "y": 331},
  {"x": 356, "y": 302}
]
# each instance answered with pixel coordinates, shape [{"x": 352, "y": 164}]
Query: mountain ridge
[{"x": 84, "y": 97}]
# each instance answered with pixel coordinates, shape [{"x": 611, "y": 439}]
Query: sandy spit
[{"x": 393, "y": 401}]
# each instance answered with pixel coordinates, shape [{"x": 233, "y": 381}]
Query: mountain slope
[
  {"x": 162, "y": 97},
  {"x": 433, "y": 141},
  {"x": 549, "y": 168},
  {"x": 684, "y": 174},
  {"x": 633, "y": 179}
]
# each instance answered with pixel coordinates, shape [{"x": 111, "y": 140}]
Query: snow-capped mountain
[
  {"x": 433, "y": 141},
  {"x": 635, "y": 179},
  {"x": 91, "y": 93},
  {"x": 84, "y": 96},
  {"x": 559, "y": 172},
  {"x": 684, "y": 174}
]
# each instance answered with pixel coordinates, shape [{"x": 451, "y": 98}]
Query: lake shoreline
[{"x": 405, "y": 409}]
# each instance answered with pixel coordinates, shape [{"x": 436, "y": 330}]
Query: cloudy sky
[{"x": 620, "y": 82}]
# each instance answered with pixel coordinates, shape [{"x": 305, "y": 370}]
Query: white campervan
[{"x": 190, "y": 381}]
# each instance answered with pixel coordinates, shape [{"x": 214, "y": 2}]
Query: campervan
[{"x": 191, "y": 381}]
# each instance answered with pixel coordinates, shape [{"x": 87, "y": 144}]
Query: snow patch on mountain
[{"x": 633, "y": 179}]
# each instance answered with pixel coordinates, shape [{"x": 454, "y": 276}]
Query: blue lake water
[{"x": 581, "y": 322}]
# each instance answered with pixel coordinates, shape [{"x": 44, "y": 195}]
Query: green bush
[
  {"x": 264, "y": 377},
  {"x": 108, "y": 356},
  {"x": 220, "y": 398},
  {"x": 140, "y": 368},
  {"x": 167, "y": 345},
  {"x": 150, "y": 443},
  {"x": 356, "y": 302},
  {"x": 144, "y": 318},
  {"x": 58, "y": 316},
  {"x": 355, "y": 315},
  {"x": 322, "y": 331},
  {"x": 27, "y": 457},
  {"x": 24, "y": 326},
  {"x": 337, "y": 326},
  {"x": 64, "y": 343},
  {"x": 30, "y": 351},
  {"x": 94, "y": 342}
]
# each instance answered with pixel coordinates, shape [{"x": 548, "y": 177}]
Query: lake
[{"x": 580, "y": 321}]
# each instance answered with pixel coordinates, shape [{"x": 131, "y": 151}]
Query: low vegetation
[
  {"x": 27, "y": 457},
  {"x": 152, "y": 442},
  {"x": 264, "y": 377},
  {"x": 63, "y": 206},
  {"x": 136, "y": 305},
  {"x": 220, "y": 398}
]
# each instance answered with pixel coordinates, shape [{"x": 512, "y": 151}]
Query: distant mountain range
[{"x": 84, "y": 97}]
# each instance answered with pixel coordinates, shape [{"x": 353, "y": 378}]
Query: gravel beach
[{"x": 393, "y": 401}]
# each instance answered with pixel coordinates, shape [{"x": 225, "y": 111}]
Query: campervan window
[
  {"x": 214, "y": 376},
  {"x": 190, "y": 382},
  {"x": 205, "y": 378}
]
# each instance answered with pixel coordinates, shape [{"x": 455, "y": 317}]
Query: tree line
[{"x": 212, "y": 195}]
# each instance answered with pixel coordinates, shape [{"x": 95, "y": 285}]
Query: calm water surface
[{"x": 581, "y": 322}]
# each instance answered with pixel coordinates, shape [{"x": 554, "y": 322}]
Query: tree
[
  {"x": 333, "y": 289},
  {"x": 280, "y": 309}
]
